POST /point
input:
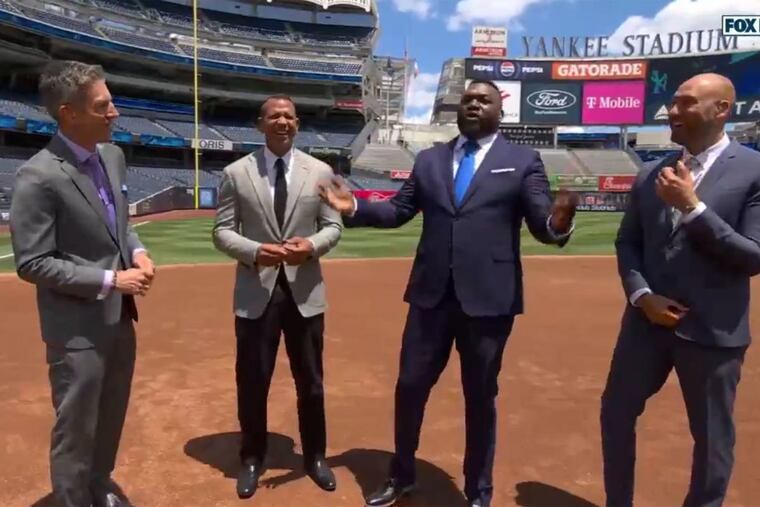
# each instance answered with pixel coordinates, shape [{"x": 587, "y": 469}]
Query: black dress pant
[
  {"x": 709, "y": 376},
  {"x": 426, "y": 345},
  {"x": 257, "y": 344}
]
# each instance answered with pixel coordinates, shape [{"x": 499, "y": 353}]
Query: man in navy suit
[
  {"x": 466, "y": 282},
  {"x": 687, "y": 246}
]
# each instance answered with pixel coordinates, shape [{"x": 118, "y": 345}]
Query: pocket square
[{"x": 503, "y": 170}]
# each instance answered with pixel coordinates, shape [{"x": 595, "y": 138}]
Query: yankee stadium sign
[{"x": 694, "y": 41}]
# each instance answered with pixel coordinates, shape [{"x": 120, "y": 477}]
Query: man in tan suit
[{"x": 271, "y": 220}]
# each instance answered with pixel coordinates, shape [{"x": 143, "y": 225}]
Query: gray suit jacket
[
  {"x": 245, "y": 219},
  {"x": 63, "y": 245},
  {"x": 706, "y": 264}
]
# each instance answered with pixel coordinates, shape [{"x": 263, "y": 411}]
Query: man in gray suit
[
  {"x": 271, "y": 219},
  {"x": 71, "y": 238},
  {"x": 687, "y": 246}
]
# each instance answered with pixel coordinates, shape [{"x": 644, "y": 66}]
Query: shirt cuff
[
  {"x": 555, "y": 235},
  {"x": 356, "y": 206},
  {"x": 637, "y": 295},
  {"x": 138, "y": 250},
  {"x": 698, "y": 210},
  {"x": 105, "y": 289}
]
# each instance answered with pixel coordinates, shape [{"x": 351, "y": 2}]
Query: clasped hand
[{"x": 293, "y": 251}]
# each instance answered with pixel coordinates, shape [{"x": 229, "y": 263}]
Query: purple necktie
[{"x": 95, "y": 169}]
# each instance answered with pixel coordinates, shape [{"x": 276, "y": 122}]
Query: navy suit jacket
[
  {"x": 478, "y": 243},
  {"x": 705, "y": 264}
]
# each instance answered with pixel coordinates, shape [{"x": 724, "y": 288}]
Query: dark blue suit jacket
[
  {"x": 706, "y": 264},
  {"x": 478, "y": 243}
]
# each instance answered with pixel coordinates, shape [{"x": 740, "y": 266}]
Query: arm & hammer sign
[{"x": 741, "y": 25}]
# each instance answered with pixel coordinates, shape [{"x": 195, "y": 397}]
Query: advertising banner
[
  {"x": 617, "y": 103},
  {"x": 480, "y": 68},
  {"x": 573, "y": 182},
  {"x": 351, "y": 104},
  {"x": 374, "y": 195},
  {"x": 600, "y": 70},
  {"x": 667, "y": 74},
  {"x": 212, "y": 144},
  {"x": 602, "y": 201},
  {"x": 620, "y": 183},
  {"x": 530, "y": 135},
  {"x": 398, "y": 174},
  {"x": 489, "y": 41},
  {"x": 551, "y": 103},
  {"x": 510, "y": 100}
]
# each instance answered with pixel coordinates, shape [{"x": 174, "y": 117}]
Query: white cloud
[
  {"x": 419, "y": 119},
  {"x": 420, "y": 8},
  {"x": 420, "y": 97},
  {"x": 681, "y": 16},
  {"x": 503, "y": 12}
]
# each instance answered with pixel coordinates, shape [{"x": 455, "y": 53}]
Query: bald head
[
  {"x": 716, "y": 86},
  {"x": 700, "y": 109}
]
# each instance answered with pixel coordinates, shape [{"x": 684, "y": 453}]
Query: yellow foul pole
[{"x": 196, "y": 102}]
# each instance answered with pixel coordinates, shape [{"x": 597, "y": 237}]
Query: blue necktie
[{"x": 466, "y": 170}]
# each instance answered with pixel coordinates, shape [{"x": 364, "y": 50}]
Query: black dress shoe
[
  {"x": 108, "y": 500},
  {"x": 248, "y": 478},
  {"x": 320, "y": 473},
  {"x": 389, "y": 494},
  {"x": 106, "y": 493}
]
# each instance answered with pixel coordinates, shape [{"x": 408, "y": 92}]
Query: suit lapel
[
  {"x": 257, "y": 173},
  {"x": 484, "y": 170},
  {"x": 446, "y": 153},
  {"x": 81, "y": 180},
  {"x": 297, "y": 181},
  {"x": 709, "y": 185}
]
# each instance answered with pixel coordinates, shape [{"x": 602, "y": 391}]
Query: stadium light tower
[{"x": 390, "y": 72}]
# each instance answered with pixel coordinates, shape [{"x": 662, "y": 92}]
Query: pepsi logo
[{"x": 508, "y": 69}]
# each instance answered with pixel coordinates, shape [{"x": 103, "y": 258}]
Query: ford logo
[{"x": 551, "y": 100}]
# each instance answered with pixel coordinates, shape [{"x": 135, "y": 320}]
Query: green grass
[{"x": 189, "y": 241}]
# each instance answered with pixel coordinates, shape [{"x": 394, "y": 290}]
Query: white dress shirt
[
  {"x": 270, "y": 159},
  {"x": 485, "y": 145},
  {"x": 704, "y": 162}
]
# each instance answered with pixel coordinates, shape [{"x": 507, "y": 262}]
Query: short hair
[
  {"x": 275, "y": 97},
  {"x": 486, "y": 82},
  {"x": 63, "y": 81}
]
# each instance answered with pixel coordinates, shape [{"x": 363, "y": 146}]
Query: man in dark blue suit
[
  {"x": 687, "y": 246},
  {"x": 466, "y": 282}
]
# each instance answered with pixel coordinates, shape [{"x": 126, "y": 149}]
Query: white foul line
[
  {"x": 2, "y": 257},
  {"x": 141, "y": 223}
]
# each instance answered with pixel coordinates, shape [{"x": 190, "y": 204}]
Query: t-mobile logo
[{"x": 591, "y": 102}]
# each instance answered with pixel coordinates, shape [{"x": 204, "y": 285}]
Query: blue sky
[{"x": 435, "y": 30}]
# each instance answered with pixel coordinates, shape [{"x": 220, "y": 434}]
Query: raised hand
[
  {"x": 337, "y": 195},
  {"x": 676, "y": 187}
]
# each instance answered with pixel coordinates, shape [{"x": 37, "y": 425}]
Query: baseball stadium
[{"x": 188, "y": 80}]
